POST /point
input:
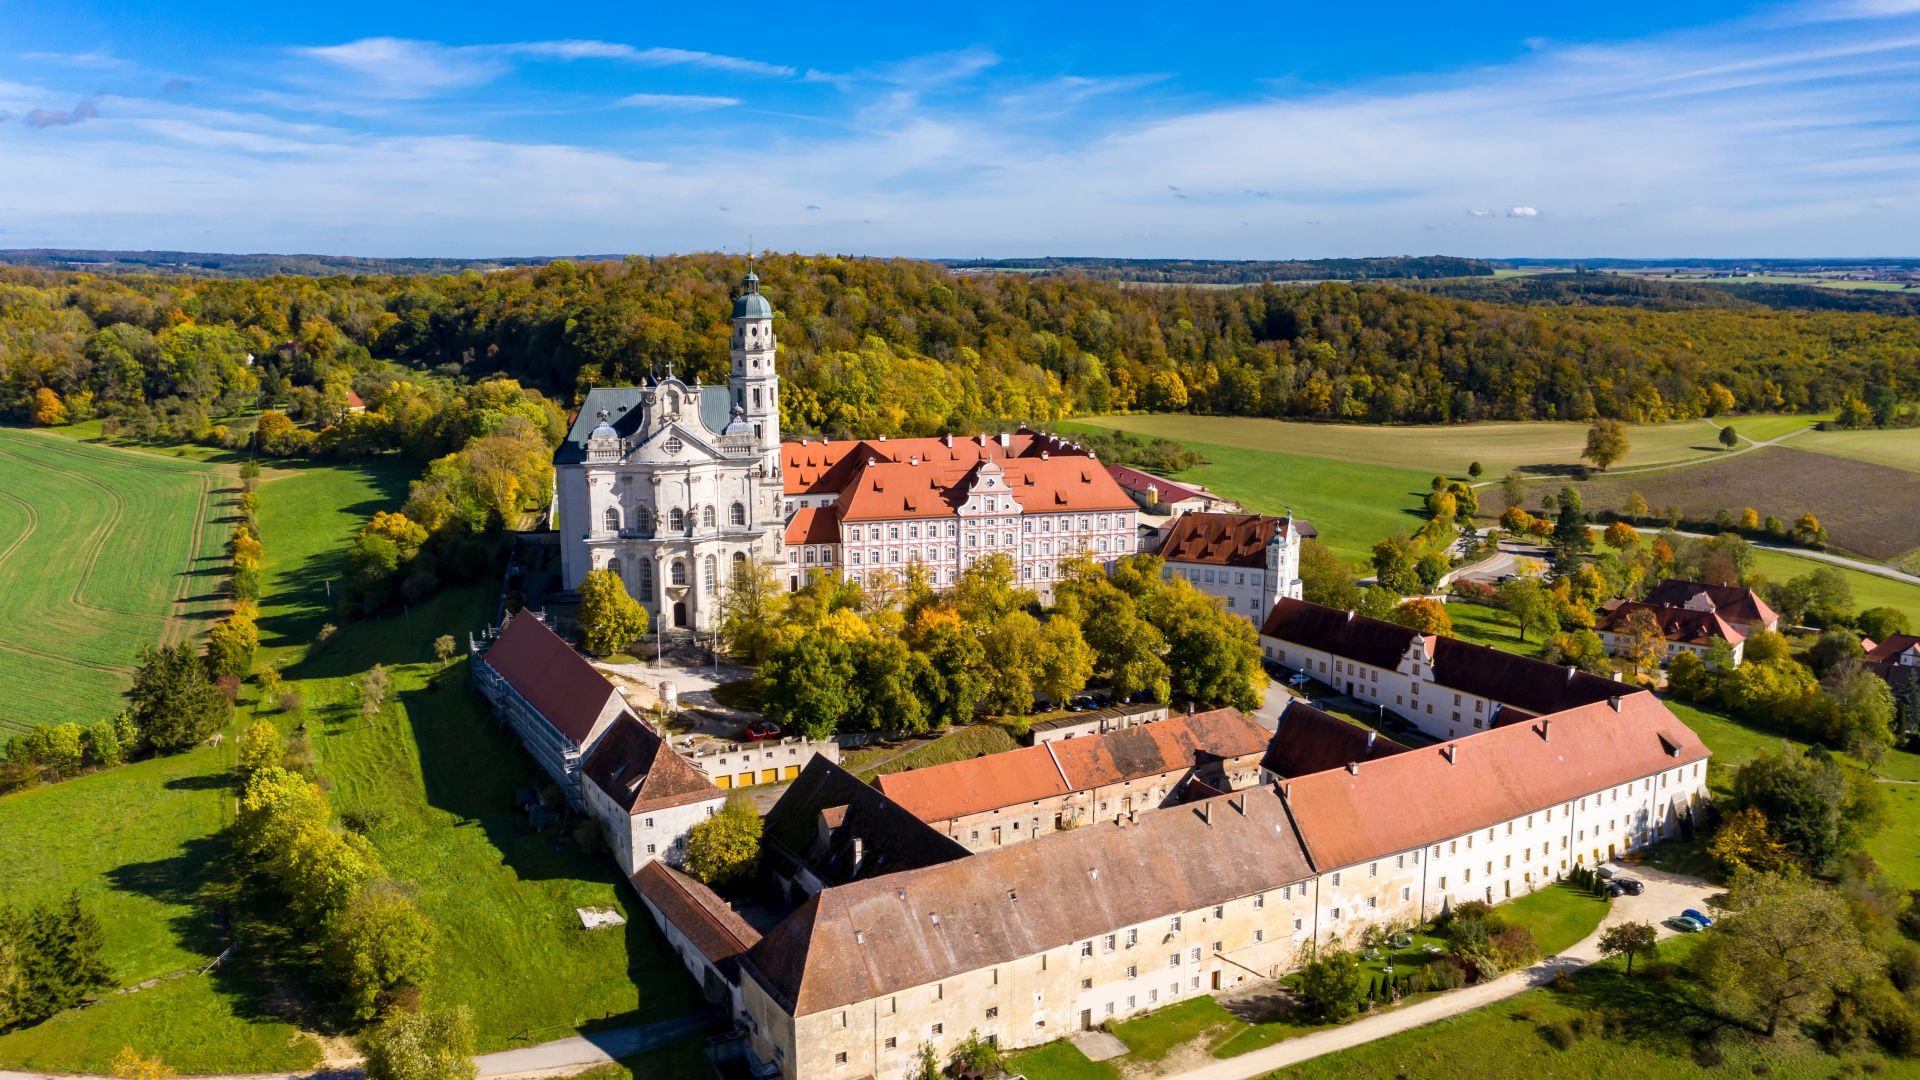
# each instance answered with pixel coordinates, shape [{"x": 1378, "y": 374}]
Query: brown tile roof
[
  {"x": 1178, "y": 743},
  {"x": 1410, "y": 800},
  {"x": 1137, "y": 482},
  {"x": 552, "y": 677},
  {"x": 891, "y": 839},
  {"x": 1888, "y": 651},
  {"x": 1221, "y": 539},
  {"x": 707, "y": 921},
  {"x": 1309, "y": 741},
  {"x": 874, "y": 937},
  {"x": 1687, "y": 625},
  {"x": 814, "y": 525},
  {"x": 1733, "y": 601},
  {"x": 1344, "y": 633},
  {"x": 640, "y": 772}
]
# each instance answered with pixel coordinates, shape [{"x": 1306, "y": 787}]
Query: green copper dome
[{"x": 751, "y": 305}]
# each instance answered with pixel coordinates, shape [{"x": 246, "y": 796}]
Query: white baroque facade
[{"x": 673, "y": 486}]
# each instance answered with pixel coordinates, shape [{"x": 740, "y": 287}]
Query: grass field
[
  {"x": 1897, "y": 448},
  {"x": 1866, "y": 508},
  {"x": 1869, "y": 590},
  {"x": 101, "y": 551},
  {"x": 307, "y": 516},
  {"x": 1763, "y": 428},
  {"x": 1425, "y": 449}
]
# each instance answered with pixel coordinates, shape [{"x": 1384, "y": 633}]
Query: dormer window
[{"x": 673, "y": 445}]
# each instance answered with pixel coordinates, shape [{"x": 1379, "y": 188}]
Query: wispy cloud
[
  {"x": 1523, "y": 211},
  {"x": 694, "y": 102},
  {"x": 410, "y": 68},
  {"x": 95, "y": 58},
  {"x": 49, "y": 118}
]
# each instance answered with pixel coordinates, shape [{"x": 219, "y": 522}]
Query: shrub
[
  {"x": 1513, "y": 947},
  {"x": 1561, "y": 1034}
]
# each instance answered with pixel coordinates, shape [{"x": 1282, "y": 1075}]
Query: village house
[
  {"x": 1000, "y": 799},
  {"x": 1682, "y": 629},
  {"x": 1249, "y": 561},
  {"x": 647, "y": 797},
  {"x": 1442, "y": 686},
  {"x": 1737, "y": 605},
  {"x": 1027, "y": 942},
  {"x": 1097, "y": 721},
  {"x": 705, "y": 931},
  {"x": 553, "y": 699},
  {"x": 1159, "y": 495}
]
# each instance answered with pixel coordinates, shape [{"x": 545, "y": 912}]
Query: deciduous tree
[
  {"x": 175, "y": 704},
  {"x": 1630, "y": 939},
  {"x": 1334, "y": 985},
  {"x": 725, "y": 848},
  {"x": 1781, "y": 947},
  {"x": 377, "y": 942},
  {"x": 433, "y": 1044},
  {"x": 1426, "y": 615},
  {"x": 610, "y": 619},
  {"x": 1606, "y": 443}
]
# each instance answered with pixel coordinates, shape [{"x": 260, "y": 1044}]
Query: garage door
[
  {"x": 770, "y": 776},
  {"x": 792, "y": 771},
  {"x": 746, "y": 778},
  {"x": 723, "y": 780}
]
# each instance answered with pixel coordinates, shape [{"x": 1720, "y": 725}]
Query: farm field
[
  {"x": 1869, "y": 590},
  {"x": 1499, "y": 446},
  {"x": 1897, "y": 448},
  {"x": 1868, "y": 509},
  {"x": 308, "y": 514},
  {"x": 102, "y": 551},
  {"x": 1764, "y": 428}
]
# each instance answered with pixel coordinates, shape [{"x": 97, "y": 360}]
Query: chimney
[
  {"x": 1371, "y": 735},
  {"x": 1239, "y": 804},
  {"x": 1206, "y": 812},
  {"x": 859, "y": 850},
  {"x": 1349, "y": 614},
  {"x": 1449, "y": 750},
  {"x": 1006, "y": 440},
  {"x": 981, "y": 438},
  {"x": 883, "y": 438},
  {"x": 1353, "y": 768},
  {"x": 947, "y": 439},
  {"x": 1619, "y": 676},
  {"x": 1546, "y": 727},
  {"x": 1571, "y": 672},
  {"x": 1043, "y": 455},
  {"x": 1614, "y": 701}
]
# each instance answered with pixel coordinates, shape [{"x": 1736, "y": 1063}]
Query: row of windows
[
  {"x": 872, "y": 533},
  {"x": 641, "y": 584},
  {"x": 646, "y": 519}
]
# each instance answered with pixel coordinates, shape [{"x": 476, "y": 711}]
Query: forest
[
  {"x": 1238, "y": 271},
  {"x": 1582, "y": 289},
  {"x": 902, "y": 347}
]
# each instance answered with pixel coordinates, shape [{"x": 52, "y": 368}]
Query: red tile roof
[
  {"x": 1307, "y": 740},
  {"x": 1221, "y": 539},
  {"x": 1137, "y": 482},
  {"x": 1686, "y": 625},
  {"x": 814, "y": 525},
  {"x": 1405, "y": 801},
  {"x": 697, "y": 912},
  {"x": 640, "y": 772},
  {"x": 554, "y": 679},
  {"x": 1889, "y": 651},
  {"x": 959, "y": 788},
  {"x": 1735, "y": 602}
]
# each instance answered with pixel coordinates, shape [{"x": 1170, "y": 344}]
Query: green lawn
[
  {"x": 101, "y": 552},
  {"x": 91, "y": 431},
  {"x": 1869, "y": 590},
  {"x": 1507, "y": 1041},
  {"x": 1898, "y": 447},
  {"x": 957, "y": 745},
  {"x": 1499, "y": 446},
  {"x": 437, "y": 776},
  {"x": 1485, "y": 625},
  {"x": 1059, "y": 1061},
  {"x": 308, "y": 514},
  {"x": 1559, "y": 915},
  {"x": 684, "y": 1060},
  {"x": 1764, "y": 427},
  {"x": 195, "y": 1023}
]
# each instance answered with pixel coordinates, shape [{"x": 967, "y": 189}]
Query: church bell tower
[{"x": 756, "y": 386}]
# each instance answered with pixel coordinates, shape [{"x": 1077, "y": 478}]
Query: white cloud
[
  {"x": 1479, "y": 213},
  {"x": 676, "y": 101},
  {"x": 408, "y": 68},
  {"x": 1523, "y": 211}
]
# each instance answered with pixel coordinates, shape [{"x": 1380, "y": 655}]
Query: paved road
[
  {"x": 1667, "y": 895},
  {"x": 568, "y": 1055}
]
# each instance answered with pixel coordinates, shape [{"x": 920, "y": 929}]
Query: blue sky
[{"x": 1172, "y": 130}]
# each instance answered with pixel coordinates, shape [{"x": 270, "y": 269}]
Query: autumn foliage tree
[
  {"x": 610, "y": 618},
  {"x": 1606, "y": 443},
  {"x": 48, "y": 410}
]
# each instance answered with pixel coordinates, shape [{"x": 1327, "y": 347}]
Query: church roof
[{"x": 622, "y": 404}]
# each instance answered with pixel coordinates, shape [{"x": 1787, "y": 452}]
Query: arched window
[
  {"x": 739, "y": 563},
  {"x": 738, "y": 515},
  {"x": 678, "y": 574},
  {"x": 713, "y": 574},
  {"x": 706, "y": 516},
  {"x": 677, "y": 519},
  {"x": 643, "y": 580},
  {"x": 646, "y": 521},
  {"x": 612, "y": 517},
  {"x": 613, "y": 564},
  {"x": 756, "y": 397}
]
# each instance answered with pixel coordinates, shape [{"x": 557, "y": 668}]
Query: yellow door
[
  {"x": 792, "y": 771},
  {"x": 770, "y": 776},
  {"x": 723, "y": 780},
  {"x": 746, "y": 778}
]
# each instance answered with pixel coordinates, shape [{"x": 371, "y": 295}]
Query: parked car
[
  {"x": 1697, "y": 916},
  {"x": 1605, "y": 872},
  {"x": 1614, "y": 889},
  {"x": 1084, "y": 702},
  {"x": 1631, "y": 886},
  {"x": 1685, "y": 925},
  {"x": 761, "y": 730}
]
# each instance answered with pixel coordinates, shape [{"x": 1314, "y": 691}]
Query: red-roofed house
[
  {"x": 1159, "y": 495},
  {"x": 988, "y": 802},
  {"x": 1736, "y": 604},
  {"x": 647, "y": 796},
  {"x": 555, "y": 701},
  {"x": 1685, "y": 629},
  {"x": 1249, "y": 561}
]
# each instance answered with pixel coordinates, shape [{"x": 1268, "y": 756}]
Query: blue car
[{"x": 1698, "y": 917}]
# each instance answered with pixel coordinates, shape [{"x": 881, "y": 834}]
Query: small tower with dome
[{"x": 755, "y": 383}]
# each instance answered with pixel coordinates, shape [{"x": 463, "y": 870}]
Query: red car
[{"x": 761, "y": 730}]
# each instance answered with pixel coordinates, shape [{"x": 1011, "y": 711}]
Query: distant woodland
[
  {"x": 1238, "y": 272},
  {"x": 905, "y": 347}
]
